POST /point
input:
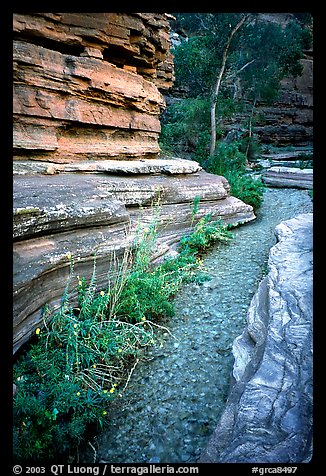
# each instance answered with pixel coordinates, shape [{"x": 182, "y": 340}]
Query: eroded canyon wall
[
  {"x": 289, "y": 121},
  {"x": 87, "y": 100},
  {"x": 86, "y": 84}
]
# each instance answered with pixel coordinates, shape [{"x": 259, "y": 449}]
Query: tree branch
[{"x": 239, "y": 70}]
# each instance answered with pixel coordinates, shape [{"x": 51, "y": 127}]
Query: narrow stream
[{"x": 175, "y": 397}]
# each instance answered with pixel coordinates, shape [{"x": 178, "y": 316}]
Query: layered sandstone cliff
[
  {"x": 87, "y": 100},
  {"x": 86, "y": 84},
  {"x": 290, "y": 120}
]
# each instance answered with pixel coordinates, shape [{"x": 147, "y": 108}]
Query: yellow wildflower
[
  {"x": 105, "y": 391},
  {"x": 143, "y": 318},
  {"x": 112, "y": 390},
  {"x": 102, "y": 293},
  {"x": 68, "y": 255},
  {"x": 80, "y": 283},
  {"x": 78, "y": 393},
  {"x": 104, "y": 413},
  {"x": 146, "y": 230},
  {"x": 94, "y": 366},
  {"x": 75, "y": 325},
  {"x": 38, "y": 330},
  {"x": 119, "y": 350}
]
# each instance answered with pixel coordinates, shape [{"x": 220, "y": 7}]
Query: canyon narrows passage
[{"x": 177, "y": 393}]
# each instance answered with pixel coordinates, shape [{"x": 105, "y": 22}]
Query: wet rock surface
[{"x": 177, "y": 394}]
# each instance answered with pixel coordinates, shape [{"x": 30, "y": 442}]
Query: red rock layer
[{"x": 86, "y": 85}]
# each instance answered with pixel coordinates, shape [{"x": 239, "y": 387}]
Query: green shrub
[
  {"x": 206, "y": 232},
  {"x": 227, "y": 157},
  {"x": 230, "y": 162},
  {"x": 246, "y": 188},
  {"x": 70, "y": 375}
]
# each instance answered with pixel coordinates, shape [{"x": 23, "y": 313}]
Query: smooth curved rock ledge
[
  {"x": 80, "y": 214},
  {"x": 172, "y": 166},
  {"x": 268, "y": 414}
]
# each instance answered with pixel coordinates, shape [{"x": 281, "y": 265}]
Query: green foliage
[
  {"x": 183, "y": 123},
  {"x": 246, "y": 188},
  {"x": 305, "y": 160},
  {"x": 260, "y": 55},
  {"x": 230, "y": 162},
  {"x": 82, "y": 356},
  {"x": 271, "y": 50},
  {"x": 206, "y": 232},
  {"x": 193, "y": 71},
  {"x": 202, "y": 147}
]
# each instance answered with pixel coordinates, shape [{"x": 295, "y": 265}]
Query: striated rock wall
[
  {"x": 99, "y": 213},
  {"x": 268, "y": 414},
  {"x": 288, "y": 177},
  {"x": 290, "y": 120},
  {"x": 86, "y": 84},
  {"x": 87, "y": 100}
]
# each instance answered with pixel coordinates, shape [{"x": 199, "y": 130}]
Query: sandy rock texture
[{"x": 88, "y": 85}]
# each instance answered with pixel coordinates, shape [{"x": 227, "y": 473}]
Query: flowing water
[{"x": 176, "y": 395}]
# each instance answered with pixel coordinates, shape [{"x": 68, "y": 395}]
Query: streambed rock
[
  {"x": 289, "y": 177},
  {"x": 268, "y": 415}
]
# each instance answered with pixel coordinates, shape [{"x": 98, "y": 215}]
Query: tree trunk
[
  {"x": 250, "y": 127},
  {"x": 218, "y": 84}
]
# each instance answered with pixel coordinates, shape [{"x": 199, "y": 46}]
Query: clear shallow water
[{"x": 176, "y": 395}]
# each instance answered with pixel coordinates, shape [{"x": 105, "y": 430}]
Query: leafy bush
[
  {"x": 227, "y": 157},
  {"x": 183, "y": 122},
  {"x": 246, "y": 188},
  {"x": 230, "y": 162},
  {"x": 206, "y": 232},
  {"x": 85, "y": 353},
  {"x": 69, "y": 376}
]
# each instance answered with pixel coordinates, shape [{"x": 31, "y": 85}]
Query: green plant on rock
[
  {"x": 79, "y": 362},
  {"x": 230, "y": 161},
  {"x": 205, "y": 233}
]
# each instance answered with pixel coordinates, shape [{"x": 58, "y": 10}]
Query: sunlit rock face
[
  {"x": 87, "y": 85},
  {"x": 268, "y": 415}
]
